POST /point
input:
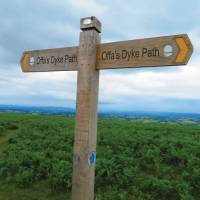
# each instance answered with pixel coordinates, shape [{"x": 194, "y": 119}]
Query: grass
[
  {"x": 135, "y": 159},
  {"x": 39, "y": 191}
]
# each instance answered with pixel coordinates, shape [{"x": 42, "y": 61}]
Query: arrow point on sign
[
  {"x": 25, "y": 62},
  {"x": 185, "y": 49}
]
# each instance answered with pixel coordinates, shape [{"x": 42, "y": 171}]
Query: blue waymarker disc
[{"x": 91, "y": 159}]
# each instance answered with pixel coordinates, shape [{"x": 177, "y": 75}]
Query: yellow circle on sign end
[{"x": 25, "y": 62}]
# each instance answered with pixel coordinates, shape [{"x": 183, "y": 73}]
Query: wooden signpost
[
  {"x": 88, "y": 58},
  {"x": 61, "y": 59},
  {"x": 151, "y": 52}
]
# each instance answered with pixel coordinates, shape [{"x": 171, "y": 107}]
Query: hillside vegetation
[{"x": 135, "y": 159}]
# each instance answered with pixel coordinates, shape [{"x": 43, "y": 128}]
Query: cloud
[
  {"x": 50, "y": 23},
  {"x": 138, "y": 19},
  {"x": 15, "y": 85},
  {"x": 88, "y": 7},
  {"x": 195, "y": 38},
  {"x": 182, "y": 83},
  {"x": 35, "y": 25}
]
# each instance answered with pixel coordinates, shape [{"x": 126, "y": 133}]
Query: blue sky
[{"x": 28, "y": 25}]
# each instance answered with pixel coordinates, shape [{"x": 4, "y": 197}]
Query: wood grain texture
[
  {"x": 59, "y": 59},
  {"x": 142, "y": 53},
  {"x": 86, "y": 117}
]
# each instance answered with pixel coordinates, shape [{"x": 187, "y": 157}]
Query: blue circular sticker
[{"x": 91, "y": 159}]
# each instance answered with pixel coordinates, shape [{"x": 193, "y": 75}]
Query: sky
[{"x": 30, "y": 25}]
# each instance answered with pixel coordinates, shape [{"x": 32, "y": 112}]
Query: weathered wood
[
  {"x": 86, "y": 117},
  {"x": 144, "y": 52},
  {"x": 60, "y": 59},
  {"x": 131, "y": 53}
]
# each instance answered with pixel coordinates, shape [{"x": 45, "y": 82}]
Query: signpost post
[{"x": 88, "y": 58}]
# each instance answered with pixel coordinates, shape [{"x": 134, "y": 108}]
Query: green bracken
[{"x": 135, "y": 159}]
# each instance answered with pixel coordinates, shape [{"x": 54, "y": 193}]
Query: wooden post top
[{"x": 89, "y": 23}]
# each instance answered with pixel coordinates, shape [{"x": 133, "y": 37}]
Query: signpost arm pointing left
[{"x": 46, "y": 60}]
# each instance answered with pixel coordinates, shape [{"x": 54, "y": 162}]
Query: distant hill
[
  {"x": 182, "y": 118},
  {"x": 37, "y": 109}
]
